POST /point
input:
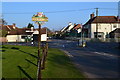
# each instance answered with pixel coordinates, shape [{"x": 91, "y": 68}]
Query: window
[
  {"x": 114, "y": 26},
  {"x": 23, "y": 37},
  {"x": 100, "y": 36}
]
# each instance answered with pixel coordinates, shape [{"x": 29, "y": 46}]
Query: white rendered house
[{"x": 102, "y": 25}]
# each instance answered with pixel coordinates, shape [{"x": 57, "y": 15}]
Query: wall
[
  {"x": 71, "y": 26},
  {"x": 44, "y": 37},
  {"x": 104, "y": 27},
  {"x": 89, "y": 30},
  {"x": 14, "y": 38},
  {"x": 3, "y": 39}
]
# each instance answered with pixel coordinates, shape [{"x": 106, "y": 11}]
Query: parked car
[{"x": 82, "y": 43}]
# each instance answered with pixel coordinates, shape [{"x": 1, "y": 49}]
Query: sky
[
  {"x": 60, "y": 0},
  {"x": 75, "y": 12}
]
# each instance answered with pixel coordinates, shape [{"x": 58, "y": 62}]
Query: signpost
[{"x": 40, "y": 19}]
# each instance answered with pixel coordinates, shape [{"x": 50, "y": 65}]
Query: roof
[
  {"x": 77, "y": 26},
  {"x": 103, "y": 19},
  {"x": 62, "y": 29},
  {"x": 19, "y": 32},
  {"x": 116, "y": 31},
  {"x": 67, "y": 27},
  {"x": 22, "y": 31},
  {"x": 43, "y": 30},
  {"x": 13, "y": 30},
  {"x": 8, "y": 27}
]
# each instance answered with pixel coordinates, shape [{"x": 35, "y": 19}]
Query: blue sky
[
  {"x": 59, "y": 0},
  {"x": 21, "y": 12}
]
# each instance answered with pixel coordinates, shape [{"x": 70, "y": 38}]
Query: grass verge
[{"x": 20, "y": 62}]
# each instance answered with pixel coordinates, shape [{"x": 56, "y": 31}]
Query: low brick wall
[{"x": 3, "y": 39}]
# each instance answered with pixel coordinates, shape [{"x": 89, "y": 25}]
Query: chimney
[
  {"x": 14, "y": 25},
  {"x": 32, "y": 28},
  {"x": 118, "y": 19},
  {"x": 69, "y": 23},
  {"x": 74, "y": 24},
  {"x": 92, "y": 15}
]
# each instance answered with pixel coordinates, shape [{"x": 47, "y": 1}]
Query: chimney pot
[
  {"x": 69, "y": 23},
  {"x": 92, "y": 15},
  {"x": 14, "y": 24},
  {"x": 118, "y": 18}
]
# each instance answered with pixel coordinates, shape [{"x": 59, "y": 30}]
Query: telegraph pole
[
  {"x": 118, "y": 20},
  {"x": 96, "y": 22}
]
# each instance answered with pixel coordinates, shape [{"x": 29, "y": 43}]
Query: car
[{"x": 82, "y": 43}]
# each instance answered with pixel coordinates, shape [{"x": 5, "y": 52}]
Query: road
[{"x": 97, "y": 60}]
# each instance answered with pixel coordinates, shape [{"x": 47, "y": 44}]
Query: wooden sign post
[{"x": 40, "y": 19}]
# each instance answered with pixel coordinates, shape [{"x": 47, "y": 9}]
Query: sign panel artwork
[{"x": 40, "y": 17}]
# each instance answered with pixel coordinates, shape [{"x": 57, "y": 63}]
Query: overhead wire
[{"x": 62, "y": 11}]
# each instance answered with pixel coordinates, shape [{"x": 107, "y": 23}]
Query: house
[
  {"x": 62, "y": 30},
  {"x": 72, "y": 30},
  {"x": 6, "y": 29},
  {"x": 43, "y": 34},
  {"x": 65, "y": 32},
  {"x": 69, "y": 27},
  {"x": 19, "y": 35},
  {"x": 15, "y": 34},
  {"x": 115, "y": 33},
  {"x": 9, "y": 27},
  {"x": 101, "y": 25},
  {"x": 76, "y": 30}
]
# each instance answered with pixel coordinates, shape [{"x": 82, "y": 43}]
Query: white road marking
[{"x": 105, "y": 54}]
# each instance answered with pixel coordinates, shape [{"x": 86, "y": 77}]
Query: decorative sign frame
[{"x": 40, "y": 17}]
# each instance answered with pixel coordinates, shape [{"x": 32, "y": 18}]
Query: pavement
[{"x": 96, "y": 60}]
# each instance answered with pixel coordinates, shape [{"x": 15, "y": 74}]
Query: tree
[
  {"x": 3, "y": 22},
  {"x": 3, "y": 33},
  {"x": 30, "y": 25}
]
